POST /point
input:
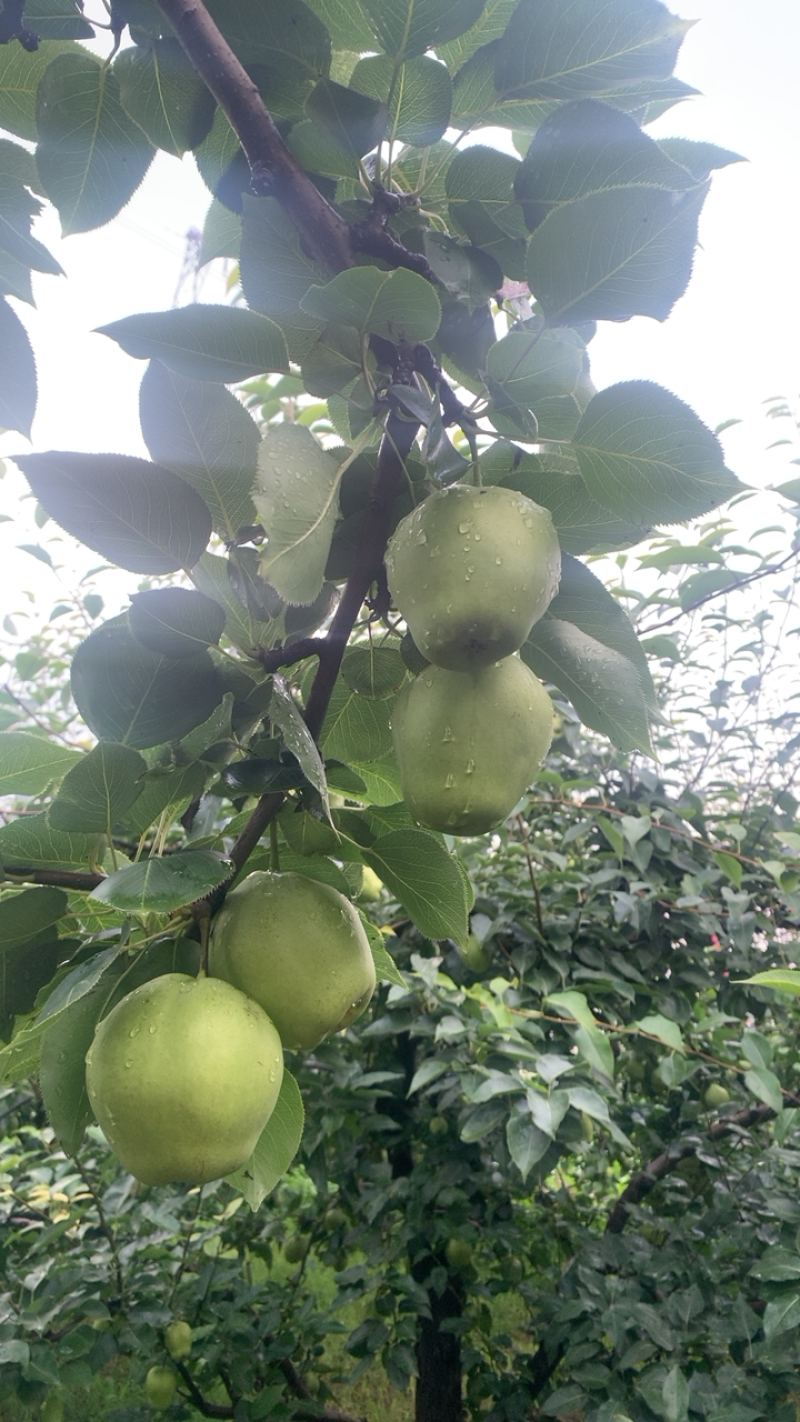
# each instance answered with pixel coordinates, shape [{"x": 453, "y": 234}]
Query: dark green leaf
[
  {"x": 375, "y": 672},
  {"x": 162, "y": 885},
  {"x": 526, "y": 1143},
  {"x": 602, "y": 684},
  {"x": 29, "y": 763},
  {"x": 224, "y": 343},
  {"x": 62, "y": 1071},
  {"x": 587, "y": 147},
  {"x": 211, "y": 576},
  {"x": 417, "y": 868},
  {"x": 355, "y": 727},
  {"x": 17, "y": 209},
  {"x": 353, "y": 121},
  {"x": 136, "y": 514},
  {"x": 408, "y": 27},
  {"x": 645, "y": 455},
  {"x": 17, "y": 373},
  {"x": 284, "y": 34},
  {"x": 420, "y": 95},
  {"x": 276, "y": 273},
  {"x": 222, "y": 233},
  {"x": 27, "y": 914},
  {"x": 31, "y": 842},
  {"x": 204, "y": 435},
  {"x": 285, "y": 712},
  {"x": 781, "y": 1314},
  {"x": 276, "y": 1147},
  {"x": 467, "y": 273},
  {"x": 164, "y": 95},
  {"x": 552, "y": 479},
  {"x": 57, "y": 19},
  {"x": 25, "y": 968},
  {"x": 490, "y": 25},
  {"x": 390, "y": 304},
  {"x": 165, "y": 790},
  {"x": 96, "y": 793},
  {"x": 20, "y": 73},
  {"x": 91, "y": 156},
  {"x": 128, "y": 694},
  {"x": 583, "y": 600},
  {"x": 564, "y": 49},
  {"x": 175, "y": 622},
  {"x": 297, "y": 499},
  {"x": 540, "y": 372},
  {"x": 346, "y": 23}
]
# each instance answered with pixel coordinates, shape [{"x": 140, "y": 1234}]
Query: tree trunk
[{"x": 438, "y": 1393}]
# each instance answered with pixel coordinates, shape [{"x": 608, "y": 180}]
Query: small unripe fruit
[
  {"x": 438, "y": 1126},
  {"x": 458, "y": 1253},
  {"x": 52, "y": 1408},
  {"x": 716, "y": 1095},
  {"x": 471, "y": 570},
  {"x": 336, "y": 1218},
  {"x": 468, "y": 744},
  {"x": 161, "y": 1385},
  {"x": 296, "y": 1249},
  {"x": 178, "y": 1339},
  {"x": 183, "y": 1075},
  {"x": 476, "y": 957},
  {"x": 299, "y": 949}
]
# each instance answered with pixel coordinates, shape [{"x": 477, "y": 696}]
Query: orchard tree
[{"x": 346, "y": 672}]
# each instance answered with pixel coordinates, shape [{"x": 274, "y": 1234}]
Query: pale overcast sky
[{"x": 730, "y": 342}]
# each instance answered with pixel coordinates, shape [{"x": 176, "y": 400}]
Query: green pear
[
  {"x": 468, "y": 744},
  {"x": 716, "y": 1095},
  {"x": 183, "y": 1075},
  {"x": 178, "y": 1338},
  {"x": 299, "y": 949},
  {"x": 471, "y": 570},
  {"x": 161, "y": 1385},
  {"x": 458, "y": 1253}
]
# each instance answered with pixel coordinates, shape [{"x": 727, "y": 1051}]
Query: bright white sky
[{"x": 730, "y": 343}]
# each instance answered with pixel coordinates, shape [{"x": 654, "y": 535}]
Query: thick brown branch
[
  {"x": 265, "y": 811},
  {"x": 273, "y": 658},
  {"x": 61, "y": 878},
  {"x": 325, "y": 235},
  {"x": 656, "y": 1169},
  {"x": 395, "y": 446},
  {"x": 208, "y": 1409}
]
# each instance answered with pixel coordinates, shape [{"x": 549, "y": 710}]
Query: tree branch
[
  {"x": 324, "y": 234},
  {"x": 396, "y": 443},
  {"x": 662, "y": 1165},
  {"x": 61, "y": 878},
  {"x": 742, "y": 582}
]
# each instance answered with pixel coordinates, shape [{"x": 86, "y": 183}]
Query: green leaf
[
  {"x": 595, "y": 1048},
  {"x": 163, "y": 885},
  {"x": 552, "y": 479},
  {"x": 164, "y": 95},
  {"x": 730, "y": 866},
  {"x": 781, "y": 1314},
  {"x": 527, "y": 1144},
  {"x": 574, "y": 1004},
  {"x": 211, "y": 576},
  {"x": 588, "y": 147},
  {"x": 467, "y": 272},
  {"x": 91, "y": 156},
  {"x": 15, "y": 280},
  {"x": 354, "y": 122},
  {"x": 376, "y": 672},
  {"x": 285, "y": 712},
  {"x": 781, "y": 979},
  {"x": 28, "y": 763},
  {"x": 128, "y": 694},
  {"x": 296, "y": 495},
  {"x": 700, "y": 158},
  {"x": 603, "y": 685},
  {"x": 382, "y": 781},
  {"x": 490, "y": 25},
  {"x": 165, "y": 790},
  {"x": 17, "y": 208},
  {"x": 20, "y": 73},
  {"x": 96, "y": 792},
  {"x": 424, "y": 877},
  {"x": 583, "y": 600},
  {"x": 615, "y": 254},
  {"x": 355, "y": 728},
  {"x": 661, "y": 1027},
  {"x": 62, "y": 1070},
  {"x": 408, "y": 27},
  {"x": 276, "y": 1147},
  {"x": 276, "y": 273},
  {"x": 136, "y": 514},
  {"x": 565, "y": 49},
  {"x": 765, "y": 1085},
  {"x": 346, "y": 23},
  {"x": 646, "y": 455},
  {"x": 544, "y": 372},
  {"x": 222, "y": 233},
  {"x": 420, "y": 95},
  {"x": 386, "y": 970},
  {"x": 17, "y": 373},
  {"x": 27, "y": 914},
  {"x": 207, "y": 343},
  {"x": 31, "y": 842},
  {"x": 675, "y": 1393},
  {"x": 58, "y": 19},
  {"x": 175, "y": 622},
  {"x": 283, "y": 34},
  {"x": 392, "y": 304}
]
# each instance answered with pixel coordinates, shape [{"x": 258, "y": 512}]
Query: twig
[
  {"x": 273, "y": 658},
  {"x": 324, "y": 234},
  {"x": 61, "y": 878},
  {"x": 104, "y": 1225},
  {"x": 720, "y": 592},
  {"x": 208, "y": 1409}
]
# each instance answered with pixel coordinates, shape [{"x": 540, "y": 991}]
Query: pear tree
[{"x": 412, "y": 333}]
